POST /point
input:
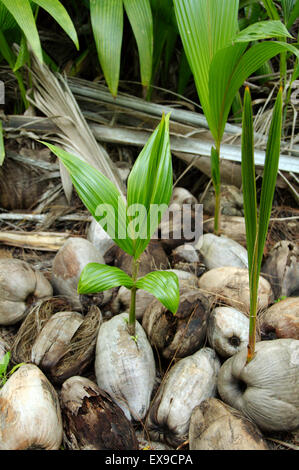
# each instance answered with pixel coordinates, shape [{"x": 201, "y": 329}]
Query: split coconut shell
[
  {"x": 181, "y": 334},
  {"x": 92, "y": 421}
]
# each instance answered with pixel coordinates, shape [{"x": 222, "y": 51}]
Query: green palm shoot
[
  {"x": 257, "y": 222},
  {"x": 130, "y": 224},
  {"x": 220, "y": 60}
]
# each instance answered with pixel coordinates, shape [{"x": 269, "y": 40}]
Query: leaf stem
[
  {"x": 132, "y": 313},
  {"x": 216, "y": 184}
]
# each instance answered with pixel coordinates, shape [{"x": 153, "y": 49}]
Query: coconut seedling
[
  {"x": 130, "y": 225},
  {"x": 262, "y": 381},
  {"x": 221, "y": 61},
  {"x": 257, "y": 222}
]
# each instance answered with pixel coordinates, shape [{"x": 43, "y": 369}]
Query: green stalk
[
  {"x": 215, "y": 170},
  {"x": 132, "y": 313},
  {"x": 253, "y": 284}
]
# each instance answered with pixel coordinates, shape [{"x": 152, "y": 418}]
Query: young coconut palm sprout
[
  {"x": 131, "y": 226},
  {"x": 221, "y": 61},
  {"x": 257, "y": 223}
]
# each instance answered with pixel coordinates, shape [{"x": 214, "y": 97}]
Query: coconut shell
[
  {"x": 221, "y": 251},
  {"x": 66, "y": 344},
  {"x": 37, "y": 317},
  {"x": 20, "y": 286},
  {"x": 230, "y": 226},
  {"x": 190, "y": 381},
  {"x": 68, "y": 264},
  {"x": 216, "y": 426},
  {"x": 153, "y": 258},
  {"x": 230, "y": 285},
  {"x": 281, "y": 320},
  {"x": 172, "y": 232},
  {"x": 231, "y": 200},
  {"x": 62, "y": 344},
  {"x": 30, "y": 417},
  {"x": 125, "y": 367},
  {"x": 99, "y": 238},
  {"x": 182, "y": 196},
  {"x": 281, "y": 268},
  {"x": 228, "y": 331},
  {"x": 266, "y": 390},
  {"x": 183, "y": 333},
  {"x": 92, "y": 421}
]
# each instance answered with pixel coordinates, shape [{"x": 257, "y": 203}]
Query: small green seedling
[
  {"x": 4, "y": 375},
  {"x": 130, "y": 224},
  {"x": 257, "y": 222}
]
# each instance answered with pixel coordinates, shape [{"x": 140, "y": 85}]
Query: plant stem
[
  {"x": 254, "y": 284},
  {"x": 132, "y": 314},
  {"x": 216, "y": 183}
]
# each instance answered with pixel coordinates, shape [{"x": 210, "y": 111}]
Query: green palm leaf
[
  {"x": 140, "y": 17},
  {"x": 230, "y": 68},
  {"x": 164, "y": 286},
  {"x": 150, "y": 183},
  {"x": 270, "y": 174},
  {"x": 107, "y": 25},
  {"x": 205, "y": 27},
  {"x": 248, "y": 179},
  {"x": 59, "y": 13},
  {"x": 22, "y": 13},
  {"x": 262, "y": 30},
  {"x": 95, "y": 190},
  {"x": 97, "y": 277}
]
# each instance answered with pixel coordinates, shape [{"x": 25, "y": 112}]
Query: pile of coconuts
[{"x": 85, "y": 384}]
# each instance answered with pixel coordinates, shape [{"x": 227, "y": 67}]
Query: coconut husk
[
  {"x": 39, "y": 314},
  {"x": 81, "y": 347}
]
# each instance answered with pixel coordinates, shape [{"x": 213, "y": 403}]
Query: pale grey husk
[
  {"x": 30, "y": 415},
  {"x": 227, "y": 331},
  {"x": 125, "y": 368},
  {"x": 189, "y": 382},
  {"x": 20, "y": 285},
  {"x": 221, "y": 251},
  {"x": 267, "y": 389},
  {"x": 217, "y": 426}
]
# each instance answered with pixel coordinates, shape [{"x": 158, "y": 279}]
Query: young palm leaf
[
  {"x": 218, "y": 58},
  {"x": 99, "y": 195},
  {"x": 107, "y": 25},
  {"x": 257, "y": 225},
  {"x": 150, "y": 183}
]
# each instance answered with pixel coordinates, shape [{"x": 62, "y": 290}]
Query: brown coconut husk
[
  {"x": 39, "y": 314},
  {"x": 77, "y": 354},
  {"x": 81, "y": 348}
]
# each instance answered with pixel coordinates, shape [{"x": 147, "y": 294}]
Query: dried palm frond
[{"x": 52, "y": 96}]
